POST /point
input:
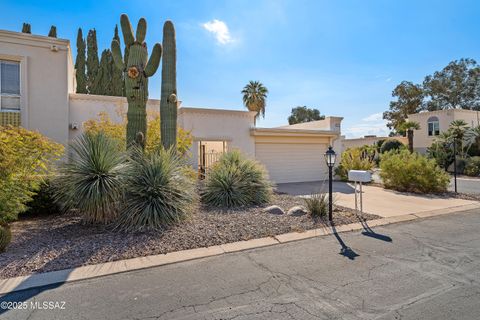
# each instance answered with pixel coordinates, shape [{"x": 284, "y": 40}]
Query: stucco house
[
  {"x": 37, "y": 85},
  {"x": 434, "y": 122}
]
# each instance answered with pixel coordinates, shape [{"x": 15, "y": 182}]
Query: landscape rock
[
  {"x": 274, "y": 210},
  {"x": 297, "y": 211}
]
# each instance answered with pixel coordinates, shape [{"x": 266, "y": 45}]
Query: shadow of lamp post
[{"x": 330, "y": 157}]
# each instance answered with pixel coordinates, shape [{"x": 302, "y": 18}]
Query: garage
[{"x": 292, "y": 155}]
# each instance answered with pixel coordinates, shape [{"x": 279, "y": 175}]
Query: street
[{"x": 426, "y": 269}]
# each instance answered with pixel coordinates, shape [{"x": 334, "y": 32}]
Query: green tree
[
  {"x": 26, "y": 28},
  {"x": 254, "y": 97},
  {"x": 457, "y": 86},
  {"x": 53, "y": 32},
  {"x": 92, "y": 62},
  {"x": 103, "y": 80},
  {"x": 80, "y": 74},
  {"x": 409, "y": 99},
  {"x": 409, "y": 127},
  {"x": 457, "y": 130},
  {"x": 117, "y": 74},
  {"x": 304, "y": 114}
]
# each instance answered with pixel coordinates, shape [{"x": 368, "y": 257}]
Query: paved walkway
[
  {"x": 427, "y": 269},
  {"x": 376, "y": 200}
]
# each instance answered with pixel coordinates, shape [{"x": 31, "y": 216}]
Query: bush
[
  {"x": 354, "y": 159},
  {"x": 26, "y": 158},
  {"x": 317, "y": 204},
  {"x": 391, "y": 144},
  {"x": 412, "y": 172},
  {"x": 92, "y": 181},
  {"x": 473, "y": 167},
  {"x": 159, "y": 190},
  {"x": 5, "y": 236},
  {"x": 461, "y": 164},
  {"x": 43, "y": 202},
  {"x": 236, "y": 181},
  {"x": 117, "y": 131},
  {"x": 441, "y": 153}
]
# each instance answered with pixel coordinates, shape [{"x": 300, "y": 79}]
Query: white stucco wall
[{"x": 45, "y": 80}]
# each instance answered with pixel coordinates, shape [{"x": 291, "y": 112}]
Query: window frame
[
  {"x": 12, "y": 95},
  {"x": 435, "y": 123}
]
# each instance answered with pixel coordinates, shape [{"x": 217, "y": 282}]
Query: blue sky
[{"x": 342, "y": 57}]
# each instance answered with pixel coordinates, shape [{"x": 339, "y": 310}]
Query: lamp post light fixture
[{"x": 330, "y": 157}]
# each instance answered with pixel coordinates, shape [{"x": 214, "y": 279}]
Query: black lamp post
[
  {"x": 330, "y": 157},
  {"x": 455, "y": 162}
]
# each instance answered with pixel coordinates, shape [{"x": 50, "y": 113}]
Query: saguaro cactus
[
  {"x": 138, "y": 68},
  {"x": 168, "y": 101}
]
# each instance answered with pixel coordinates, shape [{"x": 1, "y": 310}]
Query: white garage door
[{"x": 293, "y": 162}]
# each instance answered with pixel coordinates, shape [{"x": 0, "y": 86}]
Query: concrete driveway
[
  {"x": 429, "y": 270},
  {"x": 466, "y": 185},
  {"x": 376, "y": 200}
]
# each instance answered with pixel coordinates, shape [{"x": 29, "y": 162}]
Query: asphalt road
[
  {"x": 466, "y": 185},
  {"x": 427, "y": 269}
]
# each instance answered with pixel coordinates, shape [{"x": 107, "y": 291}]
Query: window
[
  {"x": 9, "y": 86},
  {"x": 433, "y": 126}
]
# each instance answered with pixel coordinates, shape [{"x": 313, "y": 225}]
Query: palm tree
[
  {"x": 457, "y": 129},
  {"x": 254, "y": 97},
  {"x": 472, "y": 137},
  {"x": 408, "y": 127}
]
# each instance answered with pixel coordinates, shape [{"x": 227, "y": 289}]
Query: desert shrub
[
  {"x": 117, "y": 131},
  {"x": 159, "y": 190},
  {"x": 43, "y": 202},
  {"x": 5, "y": 236},
  {"x": 354, "y": 159},
  {"x": 317, "y": 204},
  {"x": 473, "y": 167},
  {"x": 91, "y": 181},
  {"x": 441, "y": 153},
  {"x": 391, "y": 144},
  {"x": 236, "y": 180},
  {"x": 26, "y": 158},
  {"x": 412, "y": 172}
]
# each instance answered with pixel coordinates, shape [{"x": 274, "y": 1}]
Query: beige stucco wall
[
  {"x": 204, "y": 124},
  {"x": 369, "y": 141},
  {"x": 218, "y": 125},
  {"x": 422, "y": 140},
  {"x": 45, "y": 83}
]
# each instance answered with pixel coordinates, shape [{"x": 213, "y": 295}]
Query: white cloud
[
  {"x": 373, "y": 117},
  {"x": 371, "y": 125},
  {"x": 219, "y": 30}
]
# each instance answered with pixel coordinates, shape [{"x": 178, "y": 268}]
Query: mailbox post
[{"x": 359, "y": 176}]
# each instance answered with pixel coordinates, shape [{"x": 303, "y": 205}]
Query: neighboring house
[
  {"x": 434, "y": 122},
  {"x": 369, "y": 141},
  {"x": 37, "y": 81}
]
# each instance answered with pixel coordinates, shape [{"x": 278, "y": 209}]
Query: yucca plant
[
  {"x": 159, "y": 190},
  {"x": 317, "y": 204},
  {"x": 236, "y": 180},
  {"x": 91, "y": 181}
]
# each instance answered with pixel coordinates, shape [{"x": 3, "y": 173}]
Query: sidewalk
[{"x": 376, "y": 200}]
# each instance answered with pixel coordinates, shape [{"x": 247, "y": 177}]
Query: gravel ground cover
[{"x": 55, "y": 242}]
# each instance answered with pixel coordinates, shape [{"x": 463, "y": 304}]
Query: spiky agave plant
[
  {"x": 159, "y": 190},
  {"x": 236, "y": 180},
  {"x": 92, "y": 180}
]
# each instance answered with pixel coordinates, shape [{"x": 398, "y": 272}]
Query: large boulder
[
  {"x": 297, "y": 211},
  {"x": 274, "y": 210}
]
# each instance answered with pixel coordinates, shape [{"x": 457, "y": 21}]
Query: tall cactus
[
  {"x": 138, "y": 68},
  {"x": 168, "y": 101}
]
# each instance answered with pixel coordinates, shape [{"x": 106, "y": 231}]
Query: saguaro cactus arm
[
  {"x": 117, "y": 55},
  {"x": 141, "y": 30},
  {"x": 127, "y": 30},
  {"x": 154, "y": 61}
]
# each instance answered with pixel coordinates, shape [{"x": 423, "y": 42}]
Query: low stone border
[{"x": 109, "y": 268}]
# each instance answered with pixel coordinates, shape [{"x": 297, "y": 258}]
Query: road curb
[{"x": 109, "y": 268}]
